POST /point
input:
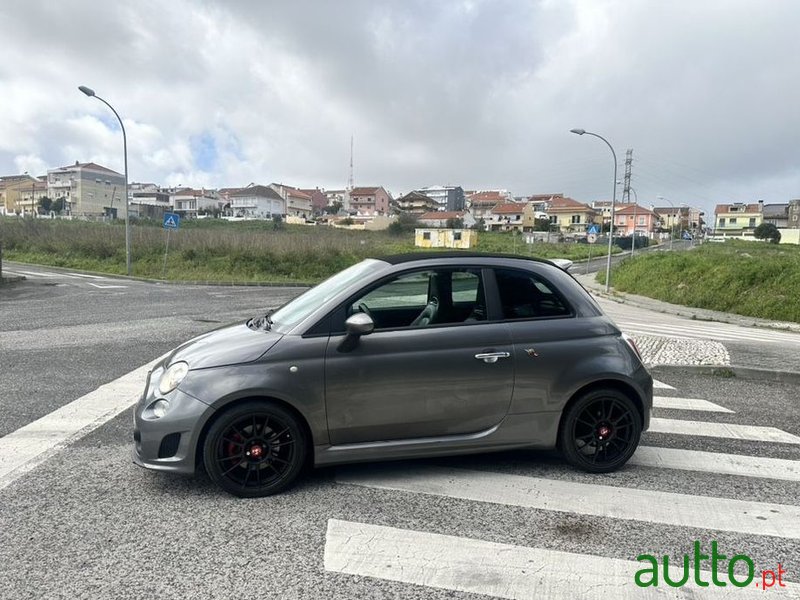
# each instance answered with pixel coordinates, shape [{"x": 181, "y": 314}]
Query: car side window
[
  {"x": 523, "y": 295},
  {"x": 424, "y": 298}
]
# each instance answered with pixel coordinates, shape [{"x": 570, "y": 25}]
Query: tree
[
  {"x": 45, "y": 204},
  {"x": 57, "y": 205},
  {"x": 455, "y": 223},
  {"x": 541, "y": 225},
  {"x": 768, "y": 231},
  {"x": 333, "y": 208},
  {"x": 277, "y": 222}
]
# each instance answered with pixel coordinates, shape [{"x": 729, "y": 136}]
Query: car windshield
[{"x": 298, "y": 309}]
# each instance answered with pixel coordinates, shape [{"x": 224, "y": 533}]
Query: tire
[
  {"x": 600, "y": 431},
  {"x": 255, "y": 449}
]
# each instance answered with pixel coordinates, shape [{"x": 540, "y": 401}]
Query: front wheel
[
  {"x": 255, "y": 449},
  {"x": 600, "y": 431}
]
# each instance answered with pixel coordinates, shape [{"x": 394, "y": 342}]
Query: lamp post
[
  {"x": 672, "y": 223},
  {"x": 613, "y": 200},
  {"x": 635, "y": 204},
  {"x": 90, "y": 92}
]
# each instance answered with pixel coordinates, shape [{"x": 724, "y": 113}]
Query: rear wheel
[
  {"x": 255, "y": 449},
  {"x": 600, "y": 431}
]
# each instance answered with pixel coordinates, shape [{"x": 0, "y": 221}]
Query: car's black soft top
[{"x": 395, "y": 259}]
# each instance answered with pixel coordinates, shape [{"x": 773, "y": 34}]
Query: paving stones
[{"x": 680, "y": 351}]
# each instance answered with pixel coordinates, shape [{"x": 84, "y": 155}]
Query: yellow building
[
  {"x": 20, "y": 193},
  {"x": 570, "y": 215},
  {"x": 445, "y": 238}
]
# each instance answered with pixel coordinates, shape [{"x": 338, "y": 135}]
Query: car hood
[{"x": 226, "y": 346}]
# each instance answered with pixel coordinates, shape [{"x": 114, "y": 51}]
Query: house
[
  {"x": 570, "y": 216},
  {"x": 296, "y": 203},
  {"x": 674, "y": 218},
  {"x": 189, "y": 202},
  {"x": 21, "y": 193},
  {"x": 334, "y": 196},
  {"x": 632, "y": 218},
  {"x": 481, "y": 203},
  {"x": 148, "y": 201},
  {"x": 319, "y": 200},
  {"x": 445, "y": 238},
  {"x": 506, "y": 216},
  {"x": 87, "y": 189},
  {"x": 368, "y": 201},
  {"x": 737, "y": 218},
  {"x": 440, "y": 218},
  {"x": 415, "y": 203},
  {"x": 447, "y": 197},
  {"x": 603, "y": 209},
  {"x": 257, "y": 202},
  {"x": 777, "y": 214},
  {"x": 793, "y": 213}
]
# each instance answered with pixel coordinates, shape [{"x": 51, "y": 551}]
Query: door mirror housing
[{"x": 356, "y": 325}]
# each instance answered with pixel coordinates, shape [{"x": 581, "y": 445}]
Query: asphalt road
[{"x": 89, "y": 524}]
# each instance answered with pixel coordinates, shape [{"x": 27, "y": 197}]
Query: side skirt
[{"x": 530, "y": 430}]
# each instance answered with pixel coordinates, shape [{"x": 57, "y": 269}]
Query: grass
[
  {"x": 217, "y": 250},
  {"x": 747, "y": 278}
]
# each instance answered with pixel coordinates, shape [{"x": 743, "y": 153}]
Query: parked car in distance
[{"x": 415, "y": 355}]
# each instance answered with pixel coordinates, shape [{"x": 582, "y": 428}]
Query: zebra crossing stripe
[
  {"x": 684, "y": 510},
  {"x": 722, "y": 430},
  {"x": 714, "y": 462},
  {"x": 490, "y": 568},
  {"x": 660, "y": 385},
  {"x": 688, "y": 404}
]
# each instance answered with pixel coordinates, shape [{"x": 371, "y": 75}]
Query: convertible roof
[{"x": 395, "y": 259}]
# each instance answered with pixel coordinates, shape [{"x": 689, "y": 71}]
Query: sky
[{"x": 480, "y": 94}]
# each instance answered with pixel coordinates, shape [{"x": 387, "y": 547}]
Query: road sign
[
  {"x": 591, "y": 238},
  {"x": 171, "y": 220},
  {"x": 593, "y": 229}
]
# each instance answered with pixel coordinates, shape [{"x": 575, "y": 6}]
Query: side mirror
[
  {"x": 356, "y": 325},
  {"x": 359, "y": 324}
]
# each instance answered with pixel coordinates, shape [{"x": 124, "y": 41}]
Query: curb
[{"x": 732, "y": 371}]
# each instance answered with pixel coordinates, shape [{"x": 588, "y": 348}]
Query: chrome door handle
[{"x": 491, "y": 357}]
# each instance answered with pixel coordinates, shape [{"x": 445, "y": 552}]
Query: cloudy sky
[{"x": 475, "y": 93}]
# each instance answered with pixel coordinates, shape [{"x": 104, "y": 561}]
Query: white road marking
[
  {"x": 715, "y": 462},
  {"x": 493, "y": 569},
  {"x": 107, "y": 287},
  {"x": 37, "y": 274},
  {"x": 720, "y": 331},
  {"x": 29, "y": 446},
  {"x": 683, "y": 510},
  {"x": 688, "y": 404},
  {"x": 88, "y": 276},
  {"x": 660, "y": 385},
  {"x": 722, "y": 430}
]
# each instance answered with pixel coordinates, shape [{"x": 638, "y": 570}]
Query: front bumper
[{"x": 168, "y": 443}]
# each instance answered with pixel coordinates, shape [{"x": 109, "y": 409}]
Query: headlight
[{"x": 172, "y": 377}]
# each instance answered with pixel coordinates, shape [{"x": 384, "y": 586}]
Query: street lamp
[
  {"x": 635, "y": 204},
  {"x": 672, "y": 223},
  {"x": 90, "y": 92},
  {"x": 613, "y": 200}
]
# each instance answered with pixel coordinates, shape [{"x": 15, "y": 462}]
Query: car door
[
  {"x": 415, "y": 377},
  {"x": 547, "y": 337}
]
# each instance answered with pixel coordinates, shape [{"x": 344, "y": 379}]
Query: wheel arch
[
  {"x": 614, "y": 384},
  {"x": 232, "y": 404}
]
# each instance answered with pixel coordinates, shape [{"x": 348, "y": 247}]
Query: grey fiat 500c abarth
[{"x": 415, "y": 355}]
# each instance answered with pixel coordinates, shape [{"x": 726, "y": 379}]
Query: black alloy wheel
[
  {"x": 254, "y": 449},
  {"x": 600, "y": 431}
]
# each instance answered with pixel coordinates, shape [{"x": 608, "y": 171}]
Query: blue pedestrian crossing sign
[
  {"x": 171, "y": 220},
  {"x": 592, "y": 229}
]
